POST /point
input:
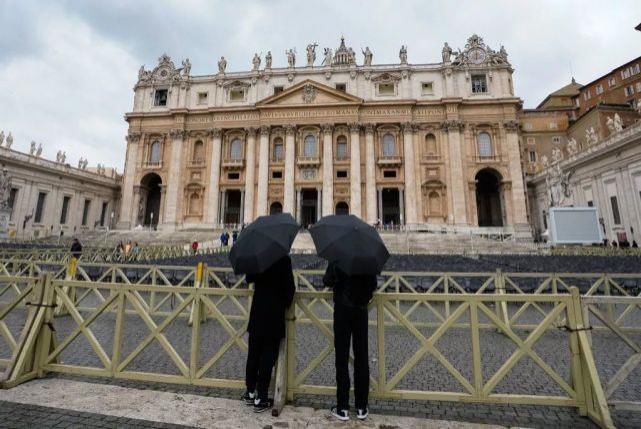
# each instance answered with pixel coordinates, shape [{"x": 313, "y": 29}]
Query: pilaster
[
  {"x": 250, "y": 180},
  {"x": 355, "y": 169},
  {"x": 263, "y": 172},
  {"x": 211, "y": 209},
  {"x": 410, "y": 179},
  {"x": 370, "y": 174},
  {"x": 174, "y": 179},
  {"x": 328, "y": 170},
  {"x": 290, "y": 169}
]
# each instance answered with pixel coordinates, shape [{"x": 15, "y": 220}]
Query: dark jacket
[
  {"x": 76, "y": 249},
  {"x": 273, "y": 294},
  {"x": 351, "y": 291}
]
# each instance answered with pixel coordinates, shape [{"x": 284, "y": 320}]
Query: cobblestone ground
[
  {"x": 21, "y": 416},
  {"x": 427, "y": 375}
]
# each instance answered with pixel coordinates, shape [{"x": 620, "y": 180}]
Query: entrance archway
[
  {"x": 391, "y": 205},
  {"x": 342, "y": 208},
  {"x": 275, "y": 208},
  {"x": 150, "y": 199},
  {"x": 309, "y": 207},
  {"x": 488, "y": 198},
  {"x": 232, "y": 206}
]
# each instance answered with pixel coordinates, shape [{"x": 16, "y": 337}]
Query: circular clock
[{"x": 476, "y": 55}]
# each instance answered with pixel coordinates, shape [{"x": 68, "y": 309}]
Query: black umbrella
[
  {"x": 262, "y": 243},
  {"x": 352, "y": 244}
]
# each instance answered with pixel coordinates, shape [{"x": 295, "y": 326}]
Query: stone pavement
[{"x": 67, "y": 403}]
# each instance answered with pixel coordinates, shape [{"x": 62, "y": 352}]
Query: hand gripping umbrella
[
  {"x": 262, "y": 243},
  {"x": 352, "y": 244}
]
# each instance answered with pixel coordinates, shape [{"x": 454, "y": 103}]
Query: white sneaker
[
  {"x": 342, "y": 415},
  {"x": 362, "y": 414}
]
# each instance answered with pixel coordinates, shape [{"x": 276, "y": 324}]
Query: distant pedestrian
[
  {"x": 76, "y": 248},
  {"x": 135, "y": 251},
  {"x": 351, "y": 297},
  {"x": 223, "y": 238},
  {"x": 273, "y": 294},
  {"x": 234, "y": 237},
  {"x": 194, "y": 247}
]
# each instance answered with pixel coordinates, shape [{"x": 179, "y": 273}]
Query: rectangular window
[
  {"x": 341, "y": 174},
  {"x": 85, "y": 212},
  {"x": 590, "y": 203},
  {"x": 386, "y": 89},
  {"x": 236, "y": 95},
  {"x": 552, "y": 126},
  {"x": 532, "y": 156},
  {"x": 531, "y": 140},
  {"x": 12, "y": 201},
  {"x": 65, "y": 209},
  {"x": 629, "y": 90},
  {"x": 103, "y": 213},
  {"x": 233, "y": 176},
  {"x": 341, "y": 87},
  {"x": 616, "y": 216},
  {"x": 160, "y": 97},
  {"x": 556, "y": 140},
  {"x": 527, "y": 126},
  {"x": 612, "y": 81},
  {"x": 40, "y": 207},
  {"x": 599, "y": 89},
  {"x": 388, "y": 174},
  {"x": 636, "y": 69},
  {"x": 638, "y": 86},
  {"x": 278, "y": 90},
  {"x": 479, "y": 84},
  {"x": 277, "y": 174},
  {"x": 427, "y": 88},
  {"x": 202, "y": 97}
]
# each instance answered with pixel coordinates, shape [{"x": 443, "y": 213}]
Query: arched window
[
  {"x": 341, "y": 147},
  {"x": 194, "y": 203},
  {"x": 154, "y": 152},
  {"x": 342, "y": 208},
  {"x": 389, "y": 145},
  {"x": 309, "y": 147},
  {"x": 277, "y": 150},
  {"x": 199, "y": 151},
  {"x": 435, "y": 203},
  {"x": 275, "y": 208},
  {"x": 484, "y": 144},
  {"x": 236, "y": 149},
  {"x": 430, "y": 145}
]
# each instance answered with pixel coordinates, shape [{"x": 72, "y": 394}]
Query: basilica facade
[{"x": 409, "y": 144}]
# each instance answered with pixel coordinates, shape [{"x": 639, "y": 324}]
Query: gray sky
[{"x": 67, "y": 68}]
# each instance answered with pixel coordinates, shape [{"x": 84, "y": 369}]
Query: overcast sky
[{"x": 67, "y": 68}]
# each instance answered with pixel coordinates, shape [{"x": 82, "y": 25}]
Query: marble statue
[
  {"x": 544, "y": 161},
  {"x": 503, "y": 53},
  {"x": 256, "y": 62},
  {"x": 590, "y": 136},
  {"x": 291, "y": 57},
  {"x": 186, "y": 67},
  {"x": 63, "y": 157},
  {"x": 5, "y": 189},
  {"x": 222, "y": 65},
  {"x": 58, "y": 156},
  {"x": 327, "y": 60},
  {"x": 572, "y": 147},
  {"x": 84, "y": 164},
  {"x": 1, "y": 138},
  {"x": 402, "y": 54},
  {"x": 143, "y": 75},
  {"x": 268, "y": 60},
  {"x": 367, "y": 54},
  {"x": 618, "y": 123},
  {"x": 352, "y": 56},
  {"x": 39, "y": 151},
  {"x": 610, "y": 124},
  {"x": 32, "y": 149},
  {"x": 311, "y": 54},
  {"x": 9, "y": 140},
  {"x": 446, "y": 53},
  {"x": 80, "y": 163},
  {"x": 557, "y": 155}
]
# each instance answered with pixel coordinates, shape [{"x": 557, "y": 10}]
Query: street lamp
[{"x": 151, "y": 221}]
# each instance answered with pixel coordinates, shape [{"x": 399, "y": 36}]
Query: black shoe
[
  {"x": 249, "y": 398},
  {"x": 362, "y": 413},
  {"x": 342, "y": 415},
  {"x": 261, "y": 405}
]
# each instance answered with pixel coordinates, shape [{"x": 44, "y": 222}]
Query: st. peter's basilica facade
[{"x": 401, "y": 143}]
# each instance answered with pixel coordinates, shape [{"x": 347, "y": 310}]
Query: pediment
[{"x": 308, "y": 93}]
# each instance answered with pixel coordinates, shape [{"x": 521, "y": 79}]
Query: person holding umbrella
[
  {"x": 356, "y": 254},
  {"x": 262, "y": 254}
]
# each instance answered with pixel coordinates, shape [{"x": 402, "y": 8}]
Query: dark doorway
[
  {"x": 275, "y": 208},
  {"x": 309, "y": 207},
  {"x": 391, "y": 206},
  {"x": 342, "y": 208},
  {"x": 488, "y": 198},
  {"x": 232, "y": 206},
  {"x": 151, "y": 194}
]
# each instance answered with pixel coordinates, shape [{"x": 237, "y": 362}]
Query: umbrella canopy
[
  {"x": 262, "y": 243},
  {"x": 352, "y": 244}
]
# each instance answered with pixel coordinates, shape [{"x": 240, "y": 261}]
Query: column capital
[
  {"x": 133, "y": 137},
  {"x": 290, "y": 130},
  {"x": 177, "y": 133},
  {"x": 264, "y": 130},
  {"x": 511, "y": 125},
  {"x": 251, "y": 131},
  {"x": 409, "y": 127},
  {"x": 369, "y": 128},
  {"x": 216, "y": 132},
  {"x": 452, "y": 125},
  {"x": 327, "y": 128},
  {"x": 354, "y": 127}
]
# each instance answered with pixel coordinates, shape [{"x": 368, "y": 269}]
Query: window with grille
[
  {"x": 341, "y": 147},
  {"x": 616, "y": 216},
  {"x": 154, "y": 152},
  {"x": 85, "y": 212},
  {"x": 40, "y": 207},
  {"x": 278, "y": 150},
  {"x": 12, "y": 200},
  {"x": 479, "y": 84},
  {"x": 532, "y": 156},
  {"x": 160, "y": 97},
  {"x": 236, "y": 149},
  {"x": 484, "y": 143},
  {"x": 309, "y": 146},
  {"x": 389, "y": 145},
  {"x": 65, "y": 209}
]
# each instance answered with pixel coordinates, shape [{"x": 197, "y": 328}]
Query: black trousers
[
  {"x": 261, "y": 358},
  {"x": 351, "y": 324}
]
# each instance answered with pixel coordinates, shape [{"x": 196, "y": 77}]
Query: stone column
[
  {"x": 457, "y": 179},
  {"x": 222, "y": 206},
  {"x": 212, "y": 206},
  {"x": 299, "y": 206},
  {"x": 174, "y": 179},
  {"x": 242, "y": 206},
  {"x": 410, "y": 179},
  {"x": 355, "y": 170},
  {"x": 161, "y": 210},
  {"x": 129, "y": 208},
  {"x": 134, "y": 212},
  {"x": 328, "y": 170},
  {"x": 401, "y": 203},
  {"x": 290, "y": 169},
  {"x": 319, "y": 195},
  {"x": 263, "y": 172},
  {"x": 380, "y": 204},
  {"x": 516, "y": 175},
  {"x": 250, "y": 180},
  {"x": 370, "y": 175}
]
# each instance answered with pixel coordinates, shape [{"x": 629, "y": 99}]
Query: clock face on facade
[{"x": 476, "y": 56}]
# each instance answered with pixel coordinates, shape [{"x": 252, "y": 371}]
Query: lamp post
[{"x": 151, "y": 221}]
